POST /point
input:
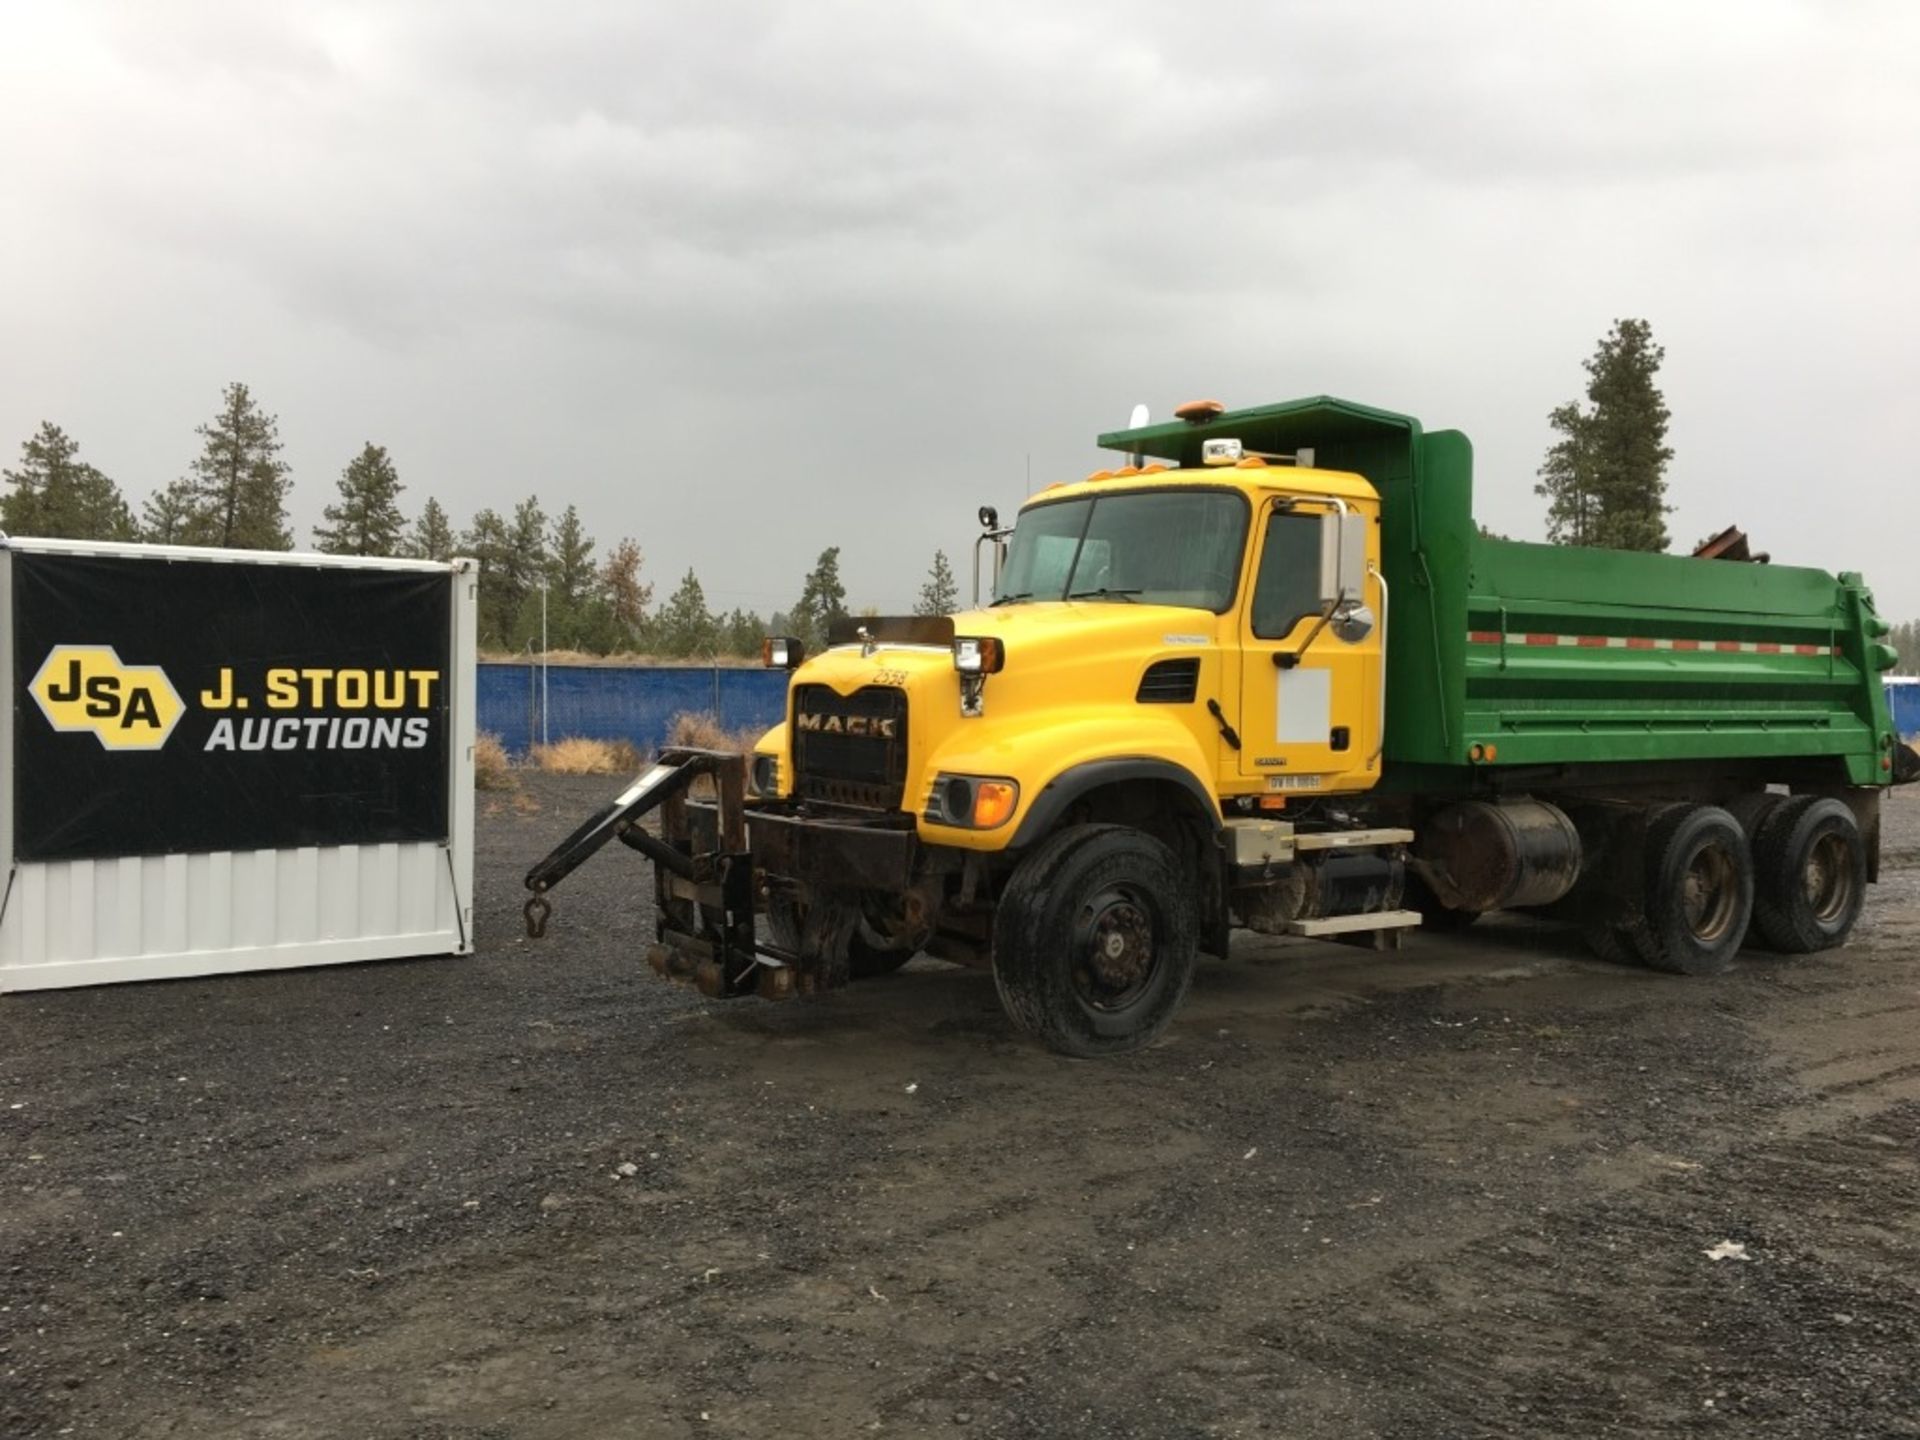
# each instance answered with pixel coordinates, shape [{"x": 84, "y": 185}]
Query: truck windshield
[{"x": 1155, "y": 547}]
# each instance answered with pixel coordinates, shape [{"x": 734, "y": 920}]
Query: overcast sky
[{"x": 746, "y": 280}]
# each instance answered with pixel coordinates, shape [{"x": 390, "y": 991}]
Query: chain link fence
[{"x": 527, "y": 703}]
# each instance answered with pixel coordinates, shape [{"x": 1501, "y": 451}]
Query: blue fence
[
  {"x": 635, "y": 703},
  {"x": 1904, "y": 696}
]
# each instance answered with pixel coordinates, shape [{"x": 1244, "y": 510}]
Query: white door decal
[{"x": 1303, "y": 709}]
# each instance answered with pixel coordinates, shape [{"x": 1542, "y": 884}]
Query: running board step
[
  {"x": 1353, "y": 924},
  {"x": 1352, "y": 840}
]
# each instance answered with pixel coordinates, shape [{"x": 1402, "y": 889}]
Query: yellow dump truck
[{"x": 1266, "y": 672}]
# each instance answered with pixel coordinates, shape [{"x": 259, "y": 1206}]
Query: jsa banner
[{"x": 181, "y": 706}]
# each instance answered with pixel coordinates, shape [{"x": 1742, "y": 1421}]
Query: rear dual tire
[
  {"x": 1812, "y": 875},
  {"x": 1699, "y": 892},
  {"x": 1791, "y": 871}
]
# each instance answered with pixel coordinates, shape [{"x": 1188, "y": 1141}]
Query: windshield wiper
[
  {"x": 1009, "y": 599},
  {"x": 1104, "y": 593}
]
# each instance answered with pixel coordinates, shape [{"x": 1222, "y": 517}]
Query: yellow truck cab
[
  {"x": 1218, "y": 629},
  {"x": 1268, "y": 673}
]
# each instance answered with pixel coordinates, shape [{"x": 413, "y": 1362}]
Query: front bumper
[{"x": 833, "y": 852}]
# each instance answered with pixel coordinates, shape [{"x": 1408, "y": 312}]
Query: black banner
[{"x": 179, "y": 706}]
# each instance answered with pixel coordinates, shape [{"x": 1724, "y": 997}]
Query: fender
[{"x": 1070, "y": 784}]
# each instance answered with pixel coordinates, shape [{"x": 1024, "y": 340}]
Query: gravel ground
[{"x": 1466, "y": 1190}]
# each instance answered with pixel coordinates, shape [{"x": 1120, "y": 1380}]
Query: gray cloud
[{"x": 745, "y": 280}]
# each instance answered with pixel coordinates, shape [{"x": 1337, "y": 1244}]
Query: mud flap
[{"x": 1906, "y": 765}]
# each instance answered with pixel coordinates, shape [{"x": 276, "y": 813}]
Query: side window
[{"x": 1288, "y": 585}]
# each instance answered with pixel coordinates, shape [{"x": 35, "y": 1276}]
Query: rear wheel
[
  {"x": 1752, "y": 810},
  {"x": 1811, "y": 866},
  {"x": 1094, "y": 940},
  {"x": 1699, "y": 892}
]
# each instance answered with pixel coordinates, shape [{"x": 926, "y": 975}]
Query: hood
[{"x": 1057, "y": 652}]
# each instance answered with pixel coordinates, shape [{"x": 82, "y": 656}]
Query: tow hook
[{"x": 537, "y": 910}]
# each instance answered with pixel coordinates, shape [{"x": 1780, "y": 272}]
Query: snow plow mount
[{"x": 704, "y": 884}]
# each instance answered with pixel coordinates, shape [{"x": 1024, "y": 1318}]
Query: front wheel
[
  {"x": 786, "y": 923},
  {"x": 1094, "y": 940}
]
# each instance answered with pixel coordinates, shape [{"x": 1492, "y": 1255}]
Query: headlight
[
  {"x": 763, "y": 776},
  {"x": 978, "y": 654},
  {"x": 974, "y": 802},
  {"x": 782, "y": 652}
]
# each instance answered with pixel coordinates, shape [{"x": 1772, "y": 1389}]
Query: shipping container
[{"x": 222, "y": 760}]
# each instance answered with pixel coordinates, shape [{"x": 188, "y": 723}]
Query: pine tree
[
  {"x": 1566, "y": 479},
  {"x": 684, "y": 626},
  {"x": 55, "y": 493},
  {"x": 367, "y": 521},
  {"x": 239, "y": 483},
  {"x": 523, "y": 572},
  {"x": 573, "y": 601},
  {"x": 432, "y": 536},
  {"x": 167, "y": 517},
  {"x": 489, "y": 542},
  {"x": 823, "y": 599},
  {"x": 939, "y": 596},
  {"x": 1605, "y": 478},
  {"x": 741, "y": 633},
  {"x": 627, "y": 597},
  {"x": 570, "y": 567}
]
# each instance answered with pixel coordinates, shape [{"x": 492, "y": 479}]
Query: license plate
[{"x": 1294, "y": 782}]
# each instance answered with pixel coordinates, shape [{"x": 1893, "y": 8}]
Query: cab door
[{"x": 1309, "y": 709}]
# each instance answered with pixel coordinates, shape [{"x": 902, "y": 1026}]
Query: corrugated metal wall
[
  {"x": 1904, "y": 696},
  {"x": 635, "y": 703},
  {"x": 138, "y": 916}
]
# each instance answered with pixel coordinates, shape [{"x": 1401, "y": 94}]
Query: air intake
[{"x": 1170, "y": 682}]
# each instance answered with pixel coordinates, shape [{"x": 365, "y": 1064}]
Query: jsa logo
[{"x": 87, "y": 687}]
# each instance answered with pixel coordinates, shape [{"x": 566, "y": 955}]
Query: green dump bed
[{"x": 1558, "y": 655}]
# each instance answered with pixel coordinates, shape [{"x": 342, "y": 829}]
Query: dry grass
[
  {"x": 700, "y": 730},
  {"x": 492, "y": 770},
  {"x": 576, "y": 755}
]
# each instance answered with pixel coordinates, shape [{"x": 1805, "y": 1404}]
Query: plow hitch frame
[{"x": 704, "y": 884}]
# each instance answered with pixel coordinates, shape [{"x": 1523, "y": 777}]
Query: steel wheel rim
[
  {"x": 1828, "y": 877},
  {"x": 1710, "y": 894},
  {"x": 1115, "y": 958}
]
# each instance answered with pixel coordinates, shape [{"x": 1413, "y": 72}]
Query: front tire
[
  {"x": 864, "y": 962},
  {"x": 1094, "y": 940}
]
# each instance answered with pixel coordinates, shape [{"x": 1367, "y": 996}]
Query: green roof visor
[{"x": 1319, "y": 421}]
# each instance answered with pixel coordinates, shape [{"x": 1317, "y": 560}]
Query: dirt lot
[{"x": 1468, "y": 1190}]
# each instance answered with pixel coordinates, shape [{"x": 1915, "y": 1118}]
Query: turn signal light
[
  {"x": 993, "y": 802},
  {"x": 973, "y": 802}
]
